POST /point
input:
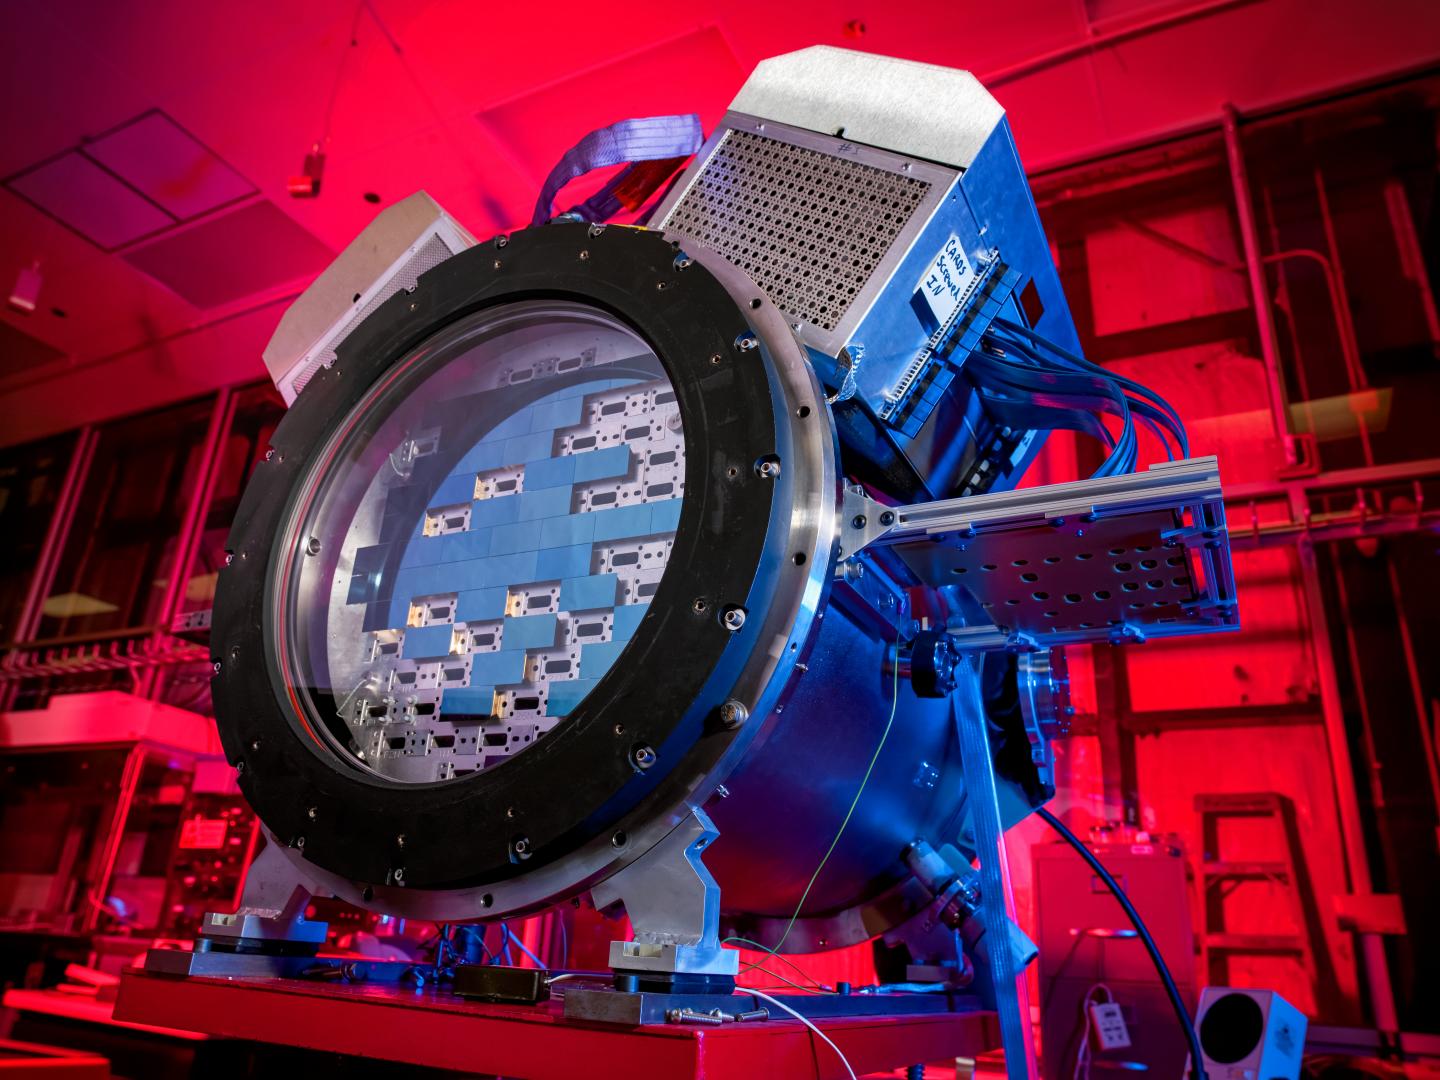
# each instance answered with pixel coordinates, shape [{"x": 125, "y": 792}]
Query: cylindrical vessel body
[{"x": 789, "y": 797}]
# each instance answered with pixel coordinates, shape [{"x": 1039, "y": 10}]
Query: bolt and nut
[{"x": 733, "y": 714}]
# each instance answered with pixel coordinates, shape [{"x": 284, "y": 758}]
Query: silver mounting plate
[{"x": 1117, "y": 559}]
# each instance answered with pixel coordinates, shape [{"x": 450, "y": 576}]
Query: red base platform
[{"x": 439, "y": 1030}]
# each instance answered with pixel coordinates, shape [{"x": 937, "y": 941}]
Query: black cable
[{"x": 1197, "y": 1058}]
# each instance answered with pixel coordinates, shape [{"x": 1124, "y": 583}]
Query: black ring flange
[{"x": 579, "y": 781}]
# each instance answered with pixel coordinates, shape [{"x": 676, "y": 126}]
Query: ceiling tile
[
  {"x": 232, "y": 255},
  {"x": 169, "y": 165},
  {"x": 84, "y": 197}
]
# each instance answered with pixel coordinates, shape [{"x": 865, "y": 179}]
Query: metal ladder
[{"x": 1221, "y": 944}]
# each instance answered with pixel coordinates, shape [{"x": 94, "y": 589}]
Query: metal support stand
[
  {"x": 268, "y": 935},
  {"x": 674, "y": 907},
  {"x": 271, "y": 916},
  {"x": 1012, "y": 1000}
]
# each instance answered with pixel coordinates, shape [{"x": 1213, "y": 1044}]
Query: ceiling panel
[
  {"x": 83, "y": 196},
  {"x": 168, "y": 165},
  {"x": 232, "y": 255}
]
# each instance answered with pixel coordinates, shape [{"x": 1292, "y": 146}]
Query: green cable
[{"x": 894, "y": 705}]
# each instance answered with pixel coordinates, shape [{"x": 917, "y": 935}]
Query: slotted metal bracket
[
  {"x": 1117, "y": 559},
  {"x": 674, "y": 907}
]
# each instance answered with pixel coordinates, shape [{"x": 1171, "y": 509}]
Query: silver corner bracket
[
  {"x": 674, "y": 906},
  {"x": 272, "y": 908}
]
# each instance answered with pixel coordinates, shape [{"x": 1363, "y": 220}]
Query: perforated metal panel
[{"x": 809, "y": 228}]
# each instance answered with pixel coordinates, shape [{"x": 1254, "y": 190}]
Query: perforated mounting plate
[
  {"x": 817, "y": 222},
  {"x": 1117, "y": 559}
]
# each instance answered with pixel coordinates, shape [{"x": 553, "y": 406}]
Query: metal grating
[
  {"x": 429, "y": 255},
  {"x": 808, "y": 227}
]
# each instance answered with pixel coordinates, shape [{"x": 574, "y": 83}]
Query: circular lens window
[{"x": 479, "y": 540}]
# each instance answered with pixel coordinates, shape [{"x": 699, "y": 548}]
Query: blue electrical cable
[{"x": 1029, "y": 381}]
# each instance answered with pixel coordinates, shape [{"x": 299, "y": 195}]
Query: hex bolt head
[
  {"x": 643, "y": 756},
  {"x": 733, "y": 618},
  {"x": 733, "y": 714}
]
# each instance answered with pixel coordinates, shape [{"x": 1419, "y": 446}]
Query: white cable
[{"x": 823, "y": 1037}]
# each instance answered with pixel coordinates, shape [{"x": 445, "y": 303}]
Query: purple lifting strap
[{"x": 646, "y": 139}]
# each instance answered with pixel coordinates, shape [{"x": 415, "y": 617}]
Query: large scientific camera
[{"x": 687, "y": 567}]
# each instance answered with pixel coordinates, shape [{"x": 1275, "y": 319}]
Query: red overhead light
[
  {"x": 307, "y": 184},
  {"x": 26, "y": 294}
]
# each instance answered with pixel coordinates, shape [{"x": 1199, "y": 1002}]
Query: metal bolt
[
  {"x": 746, "y": 342},
  {"x": 642, "y": 756},
  {"x": 854, "y": 571},
  {"x": 312, "y": 546},
  {"x": 269, "y": 454},
  {"x": 767, "y": 468},
  {"x": 584, "y": 255},
  {"x": 722, "y": 791},
  {"x": 398, "y": 875},
  {"x": 733, "y": 714},
  {"x": 496, "y": 264},
  {"x": 733, "y": 619},
  {"x": 501, "y": 240},
  {"x": 715, "y": 358},
  {"x": 859, "y": 520},
  {"x": 215, "y": 667},
  {"x": 300, "y": 842},
  {"x": 683, "y": 262},
  {"x": 596, "y": 229},
  {"x": 400, "y": 840},
  {"x": 887, "y": 517},
  {"x": 521, "y": 847},
  {"x": 312, "y": 813},
  {"x": 229, "y": 557}
]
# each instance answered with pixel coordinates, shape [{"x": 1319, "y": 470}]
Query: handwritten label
[{"x": 941, "y": 289}]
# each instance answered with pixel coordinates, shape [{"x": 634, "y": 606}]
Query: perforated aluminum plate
[
  {"x": 810, "y": 227},
  {"x": 1123, "y": 558}
]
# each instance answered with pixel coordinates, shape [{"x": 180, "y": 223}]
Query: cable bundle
[{"x": 1029, "y": 382}]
